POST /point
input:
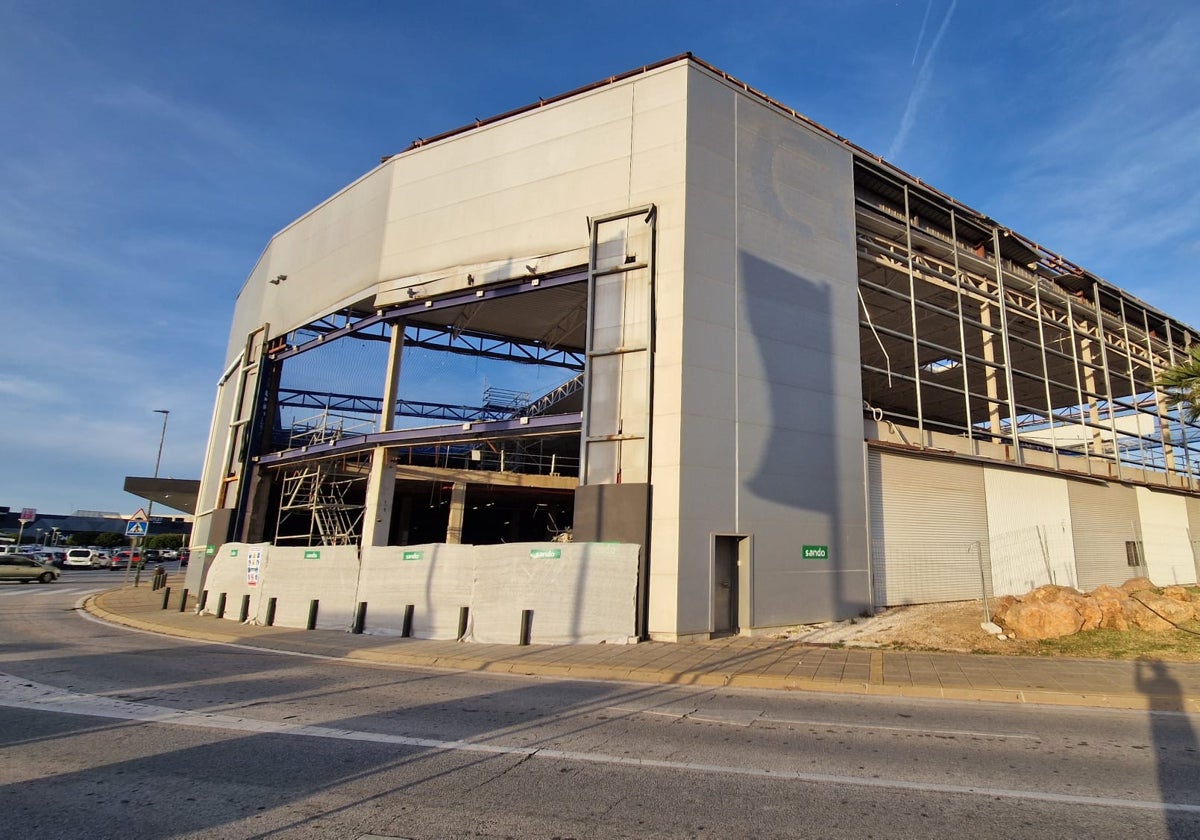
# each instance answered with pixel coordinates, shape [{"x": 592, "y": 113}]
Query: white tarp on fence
[
  {"x": 577, "y": 592},
  {"x": 236, "y": 571},
  {"x": 436, "y": 580},
  {"x": 295, "y": 577}
]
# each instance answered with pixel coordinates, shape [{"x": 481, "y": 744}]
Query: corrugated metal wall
[
  {"x": 1103, "y": 519},
  {"x": 932, "y": 518},
  {"x": 928, "y": 527}
]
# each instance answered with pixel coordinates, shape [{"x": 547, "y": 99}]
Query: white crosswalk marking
[{"x": 34, "y": 589}]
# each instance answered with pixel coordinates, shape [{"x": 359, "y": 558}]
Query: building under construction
[{"x": 668, "y": 312}]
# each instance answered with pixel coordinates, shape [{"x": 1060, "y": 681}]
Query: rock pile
[{"x": 1052, "y": 611}]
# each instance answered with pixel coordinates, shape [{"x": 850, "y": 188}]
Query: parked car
[
  {"x": 56, "y": 557},
  {"x": 121, "y": 559},
  {"x": 82, "y": 558},
  {"x": 23, "y": 568},
  {"x": 153, "y": 555}
]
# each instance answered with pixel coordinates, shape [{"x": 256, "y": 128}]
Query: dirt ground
[{"x": 953, "y": 627}]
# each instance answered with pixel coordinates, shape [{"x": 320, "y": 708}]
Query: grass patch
[{"x": 1177, "y": 645}]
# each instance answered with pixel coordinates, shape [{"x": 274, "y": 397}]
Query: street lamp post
[{"x": 166, "y": 413}]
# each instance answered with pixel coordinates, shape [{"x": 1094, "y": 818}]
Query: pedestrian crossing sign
[{"x": 135, "y": 528}]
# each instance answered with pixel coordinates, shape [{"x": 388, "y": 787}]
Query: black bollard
[
  {"x": 313, "y": 606},
  {"x": 183, "y": 601},
  {"x": 406, "y": 628},
  {"x": 360, "y": 618},
  {"x": 203, "y": 600},
  {"x": 463, "y": 614},
  {"x": 221, "y": 605},
  {"x": 271, "y": 611},
  {"x": 526, "y": 625},
  {"x": 166, "y": 596},
  {"x": 245, "y": 611}
]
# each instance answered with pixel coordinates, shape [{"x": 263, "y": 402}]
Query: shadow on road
[{"x": 1172, "y": 734}]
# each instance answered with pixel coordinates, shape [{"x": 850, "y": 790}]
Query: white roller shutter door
[
  {"x": 928, "y": 528},
  {"x": 1104, "y": 519}
]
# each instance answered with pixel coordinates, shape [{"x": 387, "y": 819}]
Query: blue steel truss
[
  {"x": 494, "y": 409},
  {"x": 374, "y": 326}
]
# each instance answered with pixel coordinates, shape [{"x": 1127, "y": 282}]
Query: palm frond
[{"x": 1181, "y": 383}]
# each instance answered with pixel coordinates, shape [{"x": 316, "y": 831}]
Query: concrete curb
[{"x": 861, "y": 678}]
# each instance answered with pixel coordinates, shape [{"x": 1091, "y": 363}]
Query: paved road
[{"x": 114, "y": 733}]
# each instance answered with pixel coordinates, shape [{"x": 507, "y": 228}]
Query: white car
[{"x": 84, "y": 558}]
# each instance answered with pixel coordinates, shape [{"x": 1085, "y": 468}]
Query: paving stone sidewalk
[{"x": 750, "y": 663}]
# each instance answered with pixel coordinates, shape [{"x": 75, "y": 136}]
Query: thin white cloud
[
  {"x": 924, "y": 77},
  {"x": 1115, "y": 175},
  {"x": 190, "y": 122},
  {"x": 921, "y": 34}
]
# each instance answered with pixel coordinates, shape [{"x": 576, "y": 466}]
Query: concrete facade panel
[
  {"x": 793, "y": 320},
  {"x": 710, "y": 443},
  {"x": 717, "y": 397},
  {"x": 707, "y": 345},
  {"x": 328, "y": 255},
  {"x": 714, "y": 292}
]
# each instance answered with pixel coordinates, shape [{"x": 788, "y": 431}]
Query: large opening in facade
[{"x": 482, "y": 433}]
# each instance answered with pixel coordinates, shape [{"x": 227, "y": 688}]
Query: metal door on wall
[{"x": 725, "y": 584}]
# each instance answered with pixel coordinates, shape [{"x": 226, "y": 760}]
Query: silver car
[{"x": 25, "y": 569}]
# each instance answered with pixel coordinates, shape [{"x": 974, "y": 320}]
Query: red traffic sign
[{"x": 27, "y": 515}]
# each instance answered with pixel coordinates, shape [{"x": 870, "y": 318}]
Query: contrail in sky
[
  {"x": 924, "y": 75},
  {"x": 921, "y": 34}
]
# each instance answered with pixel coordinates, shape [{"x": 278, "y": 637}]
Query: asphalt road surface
[{"x": 107, "y": 732}]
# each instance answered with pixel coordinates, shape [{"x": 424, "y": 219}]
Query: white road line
[
  {"x": 23, "y": 694},
  {"x": 740, "y": 718},
  {"x": 29, "y": 592}
]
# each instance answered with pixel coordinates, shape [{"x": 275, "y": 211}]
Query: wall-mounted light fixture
[{"x": 279, "y": 278}]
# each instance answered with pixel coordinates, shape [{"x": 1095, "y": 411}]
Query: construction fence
[{"x": 512, "y": 593}]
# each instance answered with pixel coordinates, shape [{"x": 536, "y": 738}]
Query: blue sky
[{"x": 149, "y": 151}]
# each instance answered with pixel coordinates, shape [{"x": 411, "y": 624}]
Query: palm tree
[{"x": 1182, "y": 384}]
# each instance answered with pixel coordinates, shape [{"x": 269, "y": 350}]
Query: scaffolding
[{"x": 317, "y": 506}]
